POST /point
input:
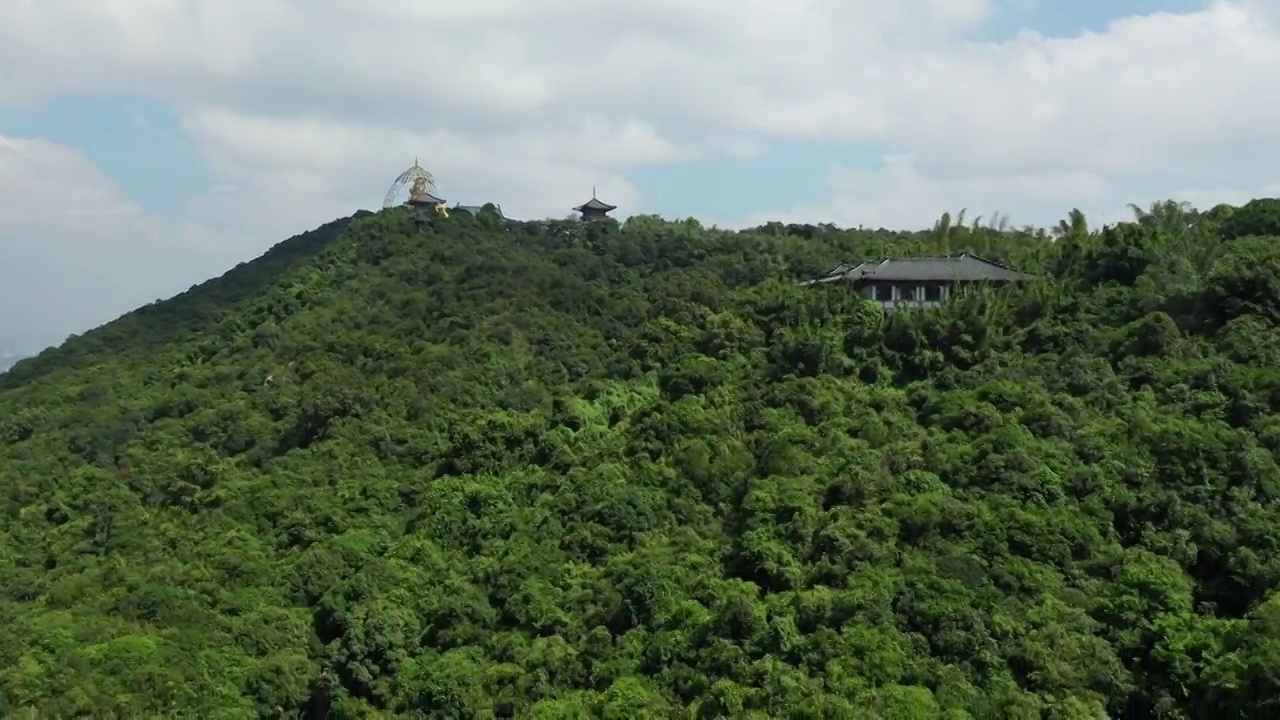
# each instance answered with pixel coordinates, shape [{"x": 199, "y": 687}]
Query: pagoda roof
[
  {"x": 595, "y": 204},
  {"x": 425, "y": 198}
]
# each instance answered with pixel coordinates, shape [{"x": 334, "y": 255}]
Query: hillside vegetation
[{"x": 634, "y": 471}]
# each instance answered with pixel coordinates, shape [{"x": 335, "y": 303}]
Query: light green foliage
[{"x": 634, "y": 471}]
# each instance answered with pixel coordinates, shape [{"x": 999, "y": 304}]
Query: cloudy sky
[{"x": 149, "y": 144}]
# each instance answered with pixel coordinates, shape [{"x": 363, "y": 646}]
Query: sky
[{"x": 147, "y": 145}]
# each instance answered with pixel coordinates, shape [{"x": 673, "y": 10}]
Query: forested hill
[
  {"x": 556, "y": 471},
  {"x": 190, "y": 313}
]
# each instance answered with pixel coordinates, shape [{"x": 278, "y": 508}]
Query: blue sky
[
  {"x": 202, "y": 162},
  {"x": 1061, "y": 18},
  {"x": 136, "y": 141}
]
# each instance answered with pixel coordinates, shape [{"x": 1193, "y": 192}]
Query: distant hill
[{"x": 553, "y": 470}]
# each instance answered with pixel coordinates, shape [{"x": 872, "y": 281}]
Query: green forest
[{"x": 634, "y": 470}]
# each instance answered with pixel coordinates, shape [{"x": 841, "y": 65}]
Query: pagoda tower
[{"x": 593, "y": 209}]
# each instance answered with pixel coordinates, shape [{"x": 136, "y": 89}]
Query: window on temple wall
[
  {"x": 933, "y": 293},
  {"x": 884, "y": 293}
]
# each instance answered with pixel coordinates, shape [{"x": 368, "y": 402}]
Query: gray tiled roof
[
  {"x": 926, "y": 269},
  {"x": 844, "y": 269},
  {"x": 476, "y": 209},
  {"x": 594, "y": 204}
]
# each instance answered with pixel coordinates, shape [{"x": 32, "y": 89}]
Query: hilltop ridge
[
  {"x": 190, "y": 311},
  {"x": 478, "y": 468}
]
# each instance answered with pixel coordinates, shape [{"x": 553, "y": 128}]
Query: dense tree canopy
[{"x": 623, "y": 471}]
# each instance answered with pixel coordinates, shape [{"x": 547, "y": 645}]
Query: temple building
[
  {"x": 427, "y": 206},
  {"x": 593, "y": 209},
  {"x": 919, "y": 282}
]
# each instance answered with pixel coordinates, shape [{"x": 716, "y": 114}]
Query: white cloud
[
  {"x": 899, "y": 195},
  {"x": 55, "y": 187},
  {"x": 75, "y": 251},
  {"x": 307, "y": 109},
  {"x": 1143, "y": 96}
]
